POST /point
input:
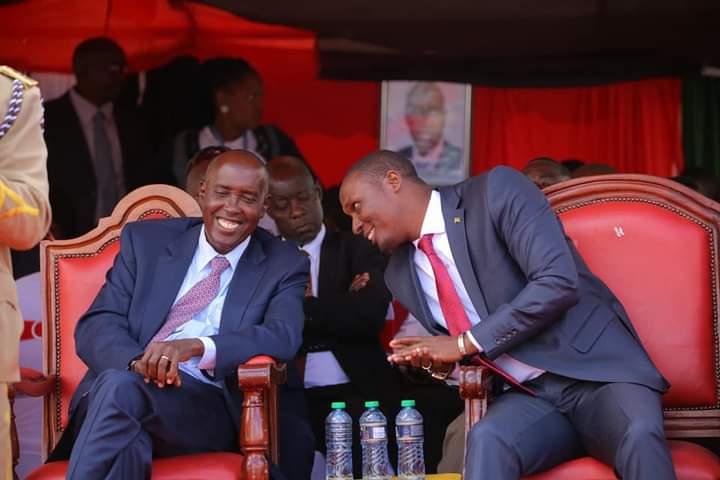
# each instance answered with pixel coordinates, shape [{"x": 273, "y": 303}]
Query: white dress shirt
[
  {"x": 86, "y": 112},
  {"x": 434, "y": 223},
  {"x": 206, "y": 322},
  {"x": 321, "y": 368}
]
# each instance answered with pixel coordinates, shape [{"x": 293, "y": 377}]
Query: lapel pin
[{"x": 456, "y": 220}]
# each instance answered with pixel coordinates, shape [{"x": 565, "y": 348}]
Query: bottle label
[
  {"x": 405, "y": 431},
  {"x": 372, "y": 433}
]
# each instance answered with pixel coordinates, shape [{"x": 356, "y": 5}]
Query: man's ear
[
  {"x": 393, "y": 180},
  {"x": 202, "y": 190},
  {"x": 319, "y": 190}
]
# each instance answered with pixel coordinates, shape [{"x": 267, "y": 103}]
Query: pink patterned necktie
[{"x": 195, "y": 300}]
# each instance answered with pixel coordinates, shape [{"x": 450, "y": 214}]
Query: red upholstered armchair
[
  {"x": 73, "y": 272},
  {"x": 655, "y": 244}
]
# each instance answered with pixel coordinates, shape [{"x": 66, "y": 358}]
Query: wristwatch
[{"x": 461, "y": 345}]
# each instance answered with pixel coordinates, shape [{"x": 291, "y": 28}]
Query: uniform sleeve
[{"x": 24, "y": 204}]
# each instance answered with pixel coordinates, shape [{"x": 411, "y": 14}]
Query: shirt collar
[
  {"x": 434, "y": 221},
  {"x": 86, "y": 110},
  {"x": 313, "y": 246},
  {"x": 206, "y": 252}
]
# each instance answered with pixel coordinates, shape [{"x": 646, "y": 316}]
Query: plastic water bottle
[
  {"x": 373, "y": 438},
  {"x": 409, "y": 433},
  {"x": 338, "y": 441}
]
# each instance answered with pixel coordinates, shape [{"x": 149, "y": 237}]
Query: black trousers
[
  {"x": 620, "y": 424},
  {"x": 437, "y": 402}
]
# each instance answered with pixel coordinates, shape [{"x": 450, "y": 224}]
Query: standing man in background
[
  {"x": 97, "y": 149},
  {"x": 24, "y": 219}
]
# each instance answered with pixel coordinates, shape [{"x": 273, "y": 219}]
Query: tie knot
[
  {"x": 426, "y": 244},
  {"x": 218, "y": 265}
]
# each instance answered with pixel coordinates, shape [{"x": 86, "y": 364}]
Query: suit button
[
  {"x": 513, "y": 331},
  {"x": 498, "y": 341}
]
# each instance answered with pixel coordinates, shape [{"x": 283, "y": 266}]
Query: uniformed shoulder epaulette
[{"x": 15, "y": 75}]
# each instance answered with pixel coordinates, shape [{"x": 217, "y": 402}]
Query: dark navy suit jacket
[
  {"x": 262, "y": 315},
  {"x": 537, "y": 298}
]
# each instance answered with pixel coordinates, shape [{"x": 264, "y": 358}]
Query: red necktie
[{"x": 453, "y": 310}]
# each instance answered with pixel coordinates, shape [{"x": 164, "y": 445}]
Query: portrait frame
[{"x": 449, "y": 158}]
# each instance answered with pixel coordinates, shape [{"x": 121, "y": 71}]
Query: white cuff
[
  {"x": 207, "y": 361},
  {"x": 475, "y": 342}
]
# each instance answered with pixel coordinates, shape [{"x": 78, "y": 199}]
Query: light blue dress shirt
[{"x": 206, "y": 322}]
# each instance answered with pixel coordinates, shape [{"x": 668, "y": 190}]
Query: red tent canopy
[{"x": 40, "y": 35}]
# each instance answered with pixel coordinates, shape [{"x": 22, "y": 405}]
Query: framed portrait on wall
[{"x": 429, "y": 123}]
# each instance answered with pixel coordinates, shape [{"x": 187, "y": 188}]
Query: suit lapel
[
  {"x": 246, "y": 278},
  {"x": 170, "y": 272},
  {"x": 327, "y": 276},
  {"x": 457, "y": 237}
]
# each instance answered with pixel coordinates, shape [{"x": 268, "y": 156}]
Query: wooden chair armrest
[
  {"x": 34, "y": 383},
  {"x": 258, "y": 379},
  {"x": 475, "y": 388}
]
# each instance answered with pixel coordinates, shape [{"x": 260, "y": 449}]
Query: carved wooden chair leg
[
  {"x": 258, "y": 383},
  {"x": 475, "y": 388}
]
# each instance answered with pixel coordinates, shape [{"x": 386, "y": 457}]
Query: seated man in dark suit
[
  {"x": 345, "y": 308},
  {"x": 186, "y": 301},
  {"x": 487, "y": 269},
  {"x": 97, "y": 151}
]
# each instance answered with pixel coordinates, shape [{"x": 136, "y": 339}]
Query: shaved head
[
  {"x": 241, "y": 158},
  {"x": 373, "y": 167},
  {"x": 286, "y": 166}
]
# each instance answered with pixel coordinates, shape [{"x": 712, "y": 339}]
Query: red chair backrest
[
  {"x": 73, "y": 271},
  {"x": 655, "y": 244}
]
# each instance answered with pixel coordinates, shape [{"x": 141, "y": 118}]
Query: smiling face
[
  {"x": 377, "y": 210},
  {"x": 232, "y": 199}
]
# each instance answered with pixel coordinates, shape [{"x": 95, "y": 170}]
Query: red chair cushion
[
  {"x": 201, "y": 466},
  {"x": 692, "y": 462},
  {"x": 79, "y": 281},
  {"x": 665, "y": 283}
]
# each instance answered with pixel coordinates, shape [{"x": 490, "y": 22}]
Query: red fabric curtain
[
  {"x": 633, "y": 126},
  {"x": 40, "y": 35}
]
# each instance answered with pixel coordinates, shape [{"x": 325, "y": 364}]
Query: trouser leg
[
  {"x": 621, "y": 424},
  {"x": 520, "y": 434},
  {"x": 129, "y": 422}
]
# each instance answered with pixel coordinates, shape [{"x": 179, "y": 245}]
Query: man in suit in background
[
  {"x": 345, "y": 308},
  {"x": 186, "y": 302},
  {"x": 24, "y": 219},
  {"x": 486, "y": 267},
  {"x": 425, "y": 115},
  {"x": 97, "y": 151}
]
